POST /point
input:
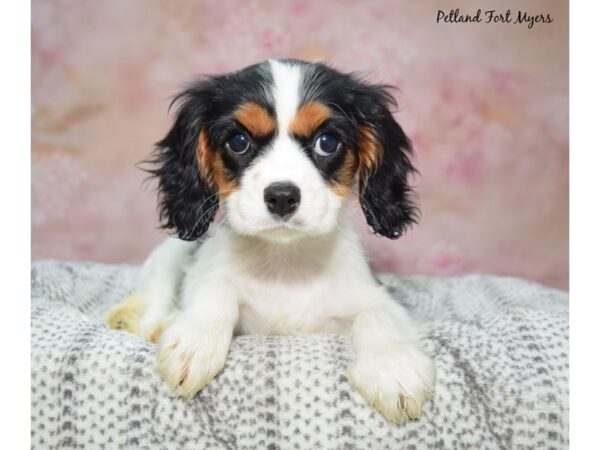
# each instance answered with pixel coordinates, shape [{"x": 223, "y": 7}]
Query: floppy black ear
[
  {"x": 384, "y": 164},
  {"x": 188, "y": 201}
]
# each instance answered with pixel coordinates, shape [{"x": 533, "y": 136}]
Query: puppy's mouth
[
  {"x": 282, "y": 234},
  {"x": 283, "y": 229},
  {"x": 284, "y": 224}
]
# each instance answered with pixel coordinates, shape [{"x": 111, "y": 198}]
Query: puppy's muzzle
[{"x": 282, "y": 199}]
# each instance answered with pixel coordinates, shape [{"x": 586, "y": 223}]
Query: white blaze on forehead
[
  {"x": 286, "y": 92},
  {"x": 285, "y": 161}
]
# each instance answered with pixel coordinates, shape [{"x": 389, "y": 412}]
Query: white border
[
  {"x": 584, "y": 223},
  {"x": 15, "y": 117}
]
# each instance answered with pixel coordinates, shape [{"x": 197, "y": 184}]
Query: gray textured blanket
[{"x": 500, "y": 345}]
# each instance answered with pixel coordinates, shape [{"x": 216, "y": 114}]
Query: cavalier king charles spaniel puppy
[{"x": 278, "y": 148}]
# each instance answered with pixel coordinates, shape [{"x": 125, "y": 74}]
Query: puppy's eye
[
  {"x": 239, "y": 143},
  {"x": 326, "y": 144}
]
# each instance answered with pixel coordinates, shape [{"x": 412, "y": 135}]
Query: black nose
[{"x": 282, "y": 199}]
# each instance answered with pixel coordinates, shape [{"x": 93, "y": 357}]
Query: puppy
[{"x": 278, "y": 147}]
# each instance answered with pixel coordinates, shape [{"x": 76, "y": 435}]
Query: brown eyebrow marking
[
  {"x": 212, "y": 168},
  {"x": 308, "y": 118},
  {"x": 256, "y": 119}
]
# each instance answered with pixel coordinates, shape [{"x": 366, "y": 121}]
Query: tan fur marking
[
  {"x": 256, "y": 119},
  {"x": 156, "y": 333},
  {"x": 205, "y": 157},
  {"x": 370, "y": 154},
  {"x": 212, "y": 168},
  {"x": 345, "y": 175},
  {"x": 309, "y": 118},
  {"x": 220, "y": 175},
  {"x": 126, "y": 314}
]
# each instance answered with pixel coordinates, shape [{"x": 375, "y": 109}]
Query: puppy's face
[{"x": 279, "y": 145}]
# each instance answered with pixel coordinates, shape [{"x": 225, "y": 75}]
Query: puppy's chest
[{"x": 279, "y": 307}]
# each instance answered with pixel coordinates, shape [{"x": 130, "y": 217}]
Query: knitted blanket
[{"x": 500, "y": 347}]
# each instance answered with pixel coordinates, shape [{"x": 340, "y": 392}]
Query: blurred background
[{"x": 486, "y": 106}]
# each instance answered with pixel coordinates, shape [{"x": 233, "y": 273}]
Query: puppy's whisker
[
  {"x": 365, "y": 204},
  {"x": 213, "y": 208},
  {"x": 205, "y": 215}
]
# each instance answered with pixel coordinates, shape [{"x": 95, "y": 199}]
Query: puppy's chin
[
  {"x": 283, "y": 232},
  {"x": 282, "y": 235}
]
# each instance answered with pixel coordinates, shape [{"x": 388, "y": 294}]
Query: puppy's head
[{"x": 280, "y": 145}]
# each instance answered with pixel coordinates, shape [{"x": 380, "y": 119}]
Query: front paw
[
  {"x": 396, "y": 383},
  {"x": 137, "y": 316},
  {"x": 189, "y": 356},
  {"x": 126, "y": 314}
]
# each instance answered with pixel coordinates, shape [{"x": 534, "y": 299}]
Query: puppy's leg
[
  {"x": 390, "y": 370},
  {"x": 194, "y": 347},
  {"x": 146, "y": 310}
]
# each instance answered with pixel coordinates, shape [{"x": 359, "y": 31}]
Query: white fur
[
  {"x": 286, "y": 91},
  {"x": 315, "y": 284},
  {"x": 258, "y": 274},
  {"x": 158, "y": 282}
]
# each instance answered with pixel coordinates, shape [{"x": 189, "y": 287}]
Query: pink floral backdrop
[{"x": 486, "y": 106}]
